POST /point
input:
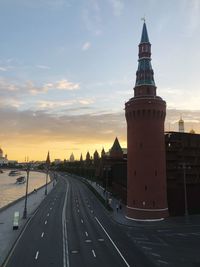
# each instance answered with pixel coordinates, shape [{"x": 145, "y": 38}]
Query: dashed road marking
[
  {"x": 93, "y": 252},
  {"x": 42, "y": 234},
  {"x": 88, "y": 241},
  {"x": 74, "y": 251},
  {"x": 147, "y": 248},
  {"x": 78, "y": 210},
  {"x": 161, "y": 261},
  {"x": 45, "y": 222},
  {"x": 36, "y": 255},
  {"x": 86, "y": 233},
  {"x": 100, "y": 239},
  {"x": 81, "y": 221},
  {"x": 47, "y": 214},
  {"x": 155, "y": 254}
]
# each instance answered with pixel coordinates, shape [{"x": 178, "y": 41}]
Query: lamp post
[
  {"x": 107, "y": 169},
  {"x": 26, "y": 195},
  {"x": 184, "y": 167},
  {"x": 47, "y": 171}
]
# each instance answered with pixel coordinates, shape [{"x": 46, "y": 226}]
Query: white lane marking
[
  {"x": 112, "y": 242},
  {"x": 45, "y": 222},
  {"x": 147, "y": 248},
  {"x": 100, "y": 239},
  {"x": 36, "y": 255},
  {"x": 47, "y": 214},
  {"x": 78, "y": 211},
  {"x": 50, "y": 208},
  {"x": 81, "y": 221},
  {"x": 42, "y": 234},
  {"x": 155, "y": 254},
  {"x": 65, "y": 241},
  {"x": 86, "y": 233},
  {"x": 161, "y": 261},
  {"x": 88, "y": 241},
  {"x": 93, "y": 252},
  {"x": 92, "y": 211}
]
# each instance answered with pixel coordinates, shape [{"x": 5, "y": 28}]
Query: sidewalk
[
  {"x": 119, "y": 215},
  {"x": 7, "y": 234}
]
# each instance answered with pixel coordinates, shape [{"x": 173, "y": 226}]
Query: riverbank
[
  {"x": 8, "y": 236},
  {"x": 10, "y": 191}
]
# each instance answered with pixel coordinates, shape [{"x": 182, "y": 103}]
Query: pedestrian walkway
[
  {"x": 119, "y": 214},
  {"x": 7, "y": 234}
]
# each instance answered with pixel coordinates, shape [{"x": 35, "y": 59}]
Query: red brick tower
[{"x": 145, "y": 115}]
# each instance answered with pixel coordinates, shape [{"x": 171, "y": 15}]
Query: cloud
[
  {"x": 86, "y": 46},
  {"x": 118, "y": 6},
  {"x": 39, "y": 126},
  {"x": 14, "y": 88},
  {"x": 43, "y": 67},
  {"x": 3, "y": 69},
  {"x": 91, "y": 16},
  {"x": 66, "y": 85}
]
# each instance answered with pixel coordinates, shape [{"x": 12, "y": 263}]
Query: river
[{"x": 10, "y": 191}]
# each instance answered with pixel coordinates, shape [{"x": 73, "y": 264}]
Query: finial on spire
[{"x": 144, "y": 19}]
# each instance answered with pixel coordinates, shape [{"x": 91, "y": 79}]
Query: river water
[{"x": 10, "y": 191}]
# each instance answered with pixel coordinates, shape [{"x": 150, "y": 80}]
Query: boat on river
[
  {"x": 14, "y": 173},
  {"x": 21, "y": 180}
]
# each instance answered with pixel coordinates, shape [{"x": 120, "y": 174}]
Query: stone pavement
[
  {"x": 7, "y": 234},
  {"x": 120, "y": 217}
]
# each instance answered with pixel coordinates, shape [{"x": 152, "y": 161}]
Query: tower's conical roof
[
  {"x": 116, "y": 146},
  {"x": 144, "y": 37}
]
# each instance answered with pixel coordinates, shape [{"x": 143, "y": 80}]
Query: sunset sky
[{"x": 68, "y": 66}]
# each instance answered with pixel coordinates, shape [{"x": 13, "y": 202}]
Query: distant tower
[
  {"x": 103, "y": 153},
  {"x": 71, "y": 159},
  {"x": 181, "y": 125},
  {"x": 145, "y": 115},
  {"x": 96, "y": 158},
  {"x": 116, "y": 151},
  {"x": 81, "y": 158}
]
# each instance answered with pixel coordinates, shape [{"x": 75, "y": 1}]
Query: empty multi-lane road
[{"x": 71, "y": 228}]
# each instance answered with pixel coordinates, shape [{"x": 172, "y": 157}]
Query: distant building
[
  {"x": 3, "y": 159},
  {"x": 181, "y": 125},
  {"x": 183, "y": 158},
  {"x": 57, "y": 161}
]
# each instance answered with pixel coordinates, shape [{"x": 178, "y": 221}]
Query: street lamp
[
  {"x": 107, "y": 169},
  {"x": 26, "y": 195},
  {"x": 47, "y": 171},
  {"x": 184, "y": 167}
]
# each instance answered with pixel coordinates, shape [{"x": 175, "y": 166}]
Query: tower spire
[
  {"x": 144, "y": 37},
  {"x": 144, "y": 74}
]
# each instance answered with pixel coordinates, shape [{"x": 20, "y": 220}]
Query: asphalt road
[{"x": 72, "y": 228}]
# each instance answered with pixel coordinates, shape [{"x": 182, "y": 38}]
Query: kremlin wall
[{"x": 159, "y": 176}]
